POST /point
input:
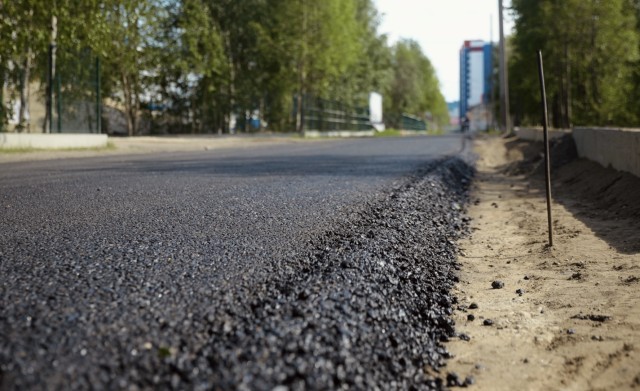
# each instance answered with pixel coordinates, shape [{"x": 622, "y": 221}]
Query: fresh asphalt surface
[
  {"x": 236, "y": 206},
  {"x": 88, "y": 246}
]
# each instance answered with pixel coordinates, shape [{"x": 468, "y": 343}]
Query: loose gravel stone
[
  {"x": 473, "y": 306},
  {"x": 469, "y": 381},
  {"x": 576, "y": 276},
  {"x": 453, "y": 380},
  {"x": 471, "y": 317},
  {"x": 592, "y": 317},
  {"x": 497, "y": 284},
  {"x": 520, "y": 291},
  {"x": 488, "y": 322}
]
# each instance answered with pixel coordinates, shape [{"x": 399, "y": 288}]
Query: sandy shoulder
[{"x": 576, "y": 325}]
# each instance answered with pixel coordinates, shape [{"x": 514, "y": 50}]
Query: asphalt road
[{"x": 123, "y": 246}]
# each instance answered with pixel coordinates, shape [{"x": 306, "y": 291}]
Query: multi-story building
[{"x": 476, "y": 69}]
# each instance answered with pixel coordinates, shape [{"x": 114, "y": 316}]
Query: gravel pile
[{"x": 365, "y": 306}]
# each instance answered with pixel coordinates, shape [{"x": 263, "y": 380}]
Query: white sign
[
  {"x": 375, "y": 111},
  {"x": 476, "y": 78}
]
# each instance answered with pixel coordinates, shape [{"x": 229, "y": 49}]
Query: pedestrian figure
[{"x": 465, "y": 124}]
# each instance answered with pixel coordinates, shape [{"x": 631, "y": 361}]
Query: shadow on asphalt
[{"x": 371, "y": 157}]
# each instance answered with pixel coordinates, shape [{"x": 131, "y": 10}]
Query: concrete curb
[
  {"x": 51, "y": 141},
  {"x": 339, "y": 133}
]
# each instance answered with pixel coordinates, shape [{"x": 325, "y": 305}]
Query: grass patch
[
  {"x": 110, "y": 147},
  {"x": 388, "y": 133},
  {"x": 400, "y": 133}
]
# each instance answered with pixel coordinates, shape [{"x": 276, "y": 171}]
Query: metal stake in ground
[{"x": 547, "y": 164}]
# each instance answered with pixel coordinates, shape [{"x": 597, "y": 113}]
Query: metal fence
[
  {"x": 409, "y": 122},
  {"x": 405, "y": 122},
  {"x": 58, "y": 93},
  {"x": 325, "y": 115},
  {"x": 75, "y": 92}
]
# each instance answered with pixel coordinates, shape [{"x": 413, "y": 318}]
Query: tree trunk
[
  {"x": 299, "y": 101},
  {"x": 569, "y": 102},
  {"x": 2, "y": 109},
  {"x": 126, "y": 89},
  {"x": 261, "y": 116},
  {"x": 302, "y": 72},
  {"x": 231, "y": 87},
  {"x": 566, "y": 86},
  {"x": 23, "y": 124},
  {"x": 192, "y": 110}
]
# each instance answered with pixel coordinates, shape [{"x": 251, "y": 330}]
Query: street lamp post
[{"x": 504, "y": 77}]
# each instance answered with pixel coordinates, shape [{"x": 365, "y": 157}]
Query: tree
[
  {"x": 414, "y": 87},
  {"x": 193, "y": 65},
  {"x": 579, "y": 39},
  {"x": 371, "y": 70},
  {"x": 633, "y": 102},
  {"x": 25, "y": 30},
  {"x": 311, "y": 43},
  {"x": 186, "y": 60},
  {"x": 122, "y": 33}
]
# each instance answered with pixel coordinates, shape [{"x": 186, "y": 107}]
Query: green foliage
[
  {"x": 206, "y": 61},
  {"x": 414, "y": 87},
  {"x": 591, "y": 54}
]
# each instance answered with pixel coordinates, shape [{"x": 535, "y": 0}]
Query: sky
[{"x": 441, "y": 27}]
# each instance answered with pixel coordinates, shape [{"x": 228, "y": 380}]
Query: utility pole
[
  {"x": 504, "y": 77},
  {"x": 491, "y": 123}
]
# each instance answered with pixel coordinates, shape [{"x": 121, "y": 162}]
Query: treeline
[
  {"x": 198, "y": 63},
  {"x": 592, "y": 63}
]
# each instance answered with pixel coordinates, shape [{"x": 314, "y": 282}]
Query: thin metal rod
[{"x": 547, "y": 163}]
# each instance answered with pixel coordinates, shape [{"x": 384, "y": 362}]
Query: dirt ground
[{"x": 576, "y": 323}]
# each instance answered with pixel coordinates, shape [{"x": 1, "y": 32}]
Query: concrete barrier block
[
  {"x": 537, "y": 134},
  {"x": 611, "y": 147},
  {"x": 51, "y": 141}
]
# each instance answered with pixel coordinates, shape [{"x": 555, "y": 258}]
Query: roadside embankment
[{"x": 566, "y": 317}]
